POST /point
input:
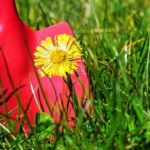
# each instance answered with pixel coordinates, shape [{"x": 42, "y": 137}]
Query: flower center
[{"x": 58, "y": 56}]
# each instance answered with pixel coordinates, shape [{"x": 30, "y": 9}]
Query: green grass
[{"x": 115, "y": 37}]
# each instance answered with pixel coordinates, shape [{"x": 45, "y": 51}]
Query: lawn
[{"x": 115, "y": 40}]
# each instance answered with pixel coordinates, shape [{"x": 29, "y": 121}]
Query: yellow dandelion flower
[{"x": 59, "y": 57}]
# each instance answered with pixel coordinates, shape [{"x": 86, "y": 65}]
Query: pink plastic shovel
[{"x": 22, "y": 95}]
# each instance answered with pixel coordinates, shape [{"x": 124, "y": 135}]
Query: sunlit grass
[{"x": 115, "y": 37}]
